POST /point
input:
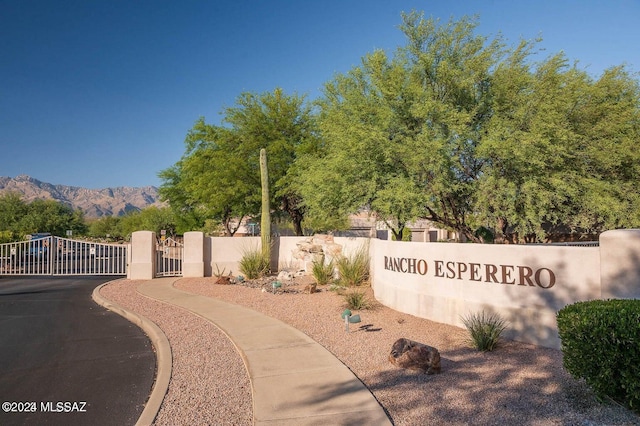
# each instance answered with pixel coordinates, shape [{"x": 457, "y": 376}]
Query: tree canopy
[
  {"x": 19, "y": 218},
  {"x": 469, "y": 133},
  {"x": 218, "y": 176},
  {"x": 453, "y": 127},
  {"x": 401, "y": 132}
]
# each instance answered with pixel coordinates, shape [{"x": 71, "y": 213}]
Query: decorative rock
[
  {"x": 412, "y": 355},
  {"x": 285, "y": 275},
  {"x": 311, "y": 288},
  {"x": 224, "y": 280},
  {"x": 315, "y": 249}
]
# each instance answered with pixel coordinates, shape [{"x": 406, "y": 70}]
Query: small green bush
[
  {"x": 484, "y": 330},
  {"x": 356, "y": 300},
  {"x": 323, "y": 272},
  {"x": 254, "y": 264},
  {"x": 354, "y": 270},
  {"x": 601, "y": 344}
]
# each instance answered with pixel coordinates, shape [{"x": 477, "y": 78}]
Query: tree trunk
[{"x": 290, "y": 204}]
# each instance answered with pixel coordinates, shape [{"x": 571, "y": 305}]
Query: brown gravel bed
[
  {"x": 209, "y": 383},
  {"x": 518, "y": 384}
]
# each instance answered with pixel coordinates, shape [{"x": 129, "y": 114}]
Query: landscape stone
[
  {"x": 223, "y": 280},
  {"x": 285, "y": 275},
  {"x": 413, "y": 355},
  {"x": 311, "y": 288}
]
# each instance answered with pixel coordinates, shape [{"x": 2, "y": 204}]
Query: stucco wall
[
  {"x": 285, "y": 247},
  {"x": 524, "y": 284},
  {"x": 224, "y": 253}
]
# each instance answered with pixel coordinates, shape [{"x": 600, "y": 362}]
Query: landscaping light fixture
[
  {"x": 348, "y": 318},
  {"x": 276, "y": 284}
]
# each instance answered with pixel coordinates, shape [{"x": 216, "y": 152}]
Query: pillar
[
  {"x": 193, "y": 264},
  {"x": 143, "y": 256}
]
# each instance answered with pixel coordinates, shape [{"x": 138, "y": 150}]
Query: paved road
[{"x": 57, "y": 348}]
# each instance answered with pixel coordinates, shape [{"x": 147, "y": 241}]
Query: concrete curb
[{"x": 164, "y": 357}]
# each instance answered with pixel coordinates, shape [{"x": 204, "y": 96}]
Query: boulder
[
  {"x": 285, "y": 275},
  {"x": 223, "y": 280},
  {"x": 412, "y": 355}
]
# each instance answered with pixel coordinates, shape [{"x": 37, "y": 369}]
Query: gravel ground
[
  {"x": 209, "y": 384},
  {"x": 517, "y": 384}
]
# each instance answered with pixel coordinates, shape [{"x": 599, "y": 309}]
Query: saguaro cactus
[{"x": 265, "y": 222}]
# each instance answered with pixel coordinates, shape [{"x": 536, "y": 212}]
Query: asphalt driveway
[{"x": 64, "y": 360}]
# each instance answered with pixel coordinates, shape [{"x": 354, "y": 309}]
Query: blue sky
[{"x": 102, "y": 93}]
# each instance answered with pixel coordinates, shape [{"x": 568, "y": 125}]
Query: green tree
[
  {"x": 52, "y": 216},
  {"x": 559, "y": 150},
  {"x": 401, "y": 132},
  {"x": 107, "y": 225},
  {"x": 211, "y": 180},
  {"x": 187, "y": 212},
  {"x": 471, "y": 134},
  {"x": 151, "y": 218},
  {"x": 12, "y": 208},
  {"x": 219, "y": 174},
  {"x": 19, "y": 218}
]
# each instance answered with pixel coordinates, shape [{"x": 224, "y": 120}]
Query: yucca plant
[
  {"x": 484, "y": 330},
  {"x": 323, "y": 272},
  {"x": 354, "y": 270},
  {"x": 356, "y": 300},
  {"x": 254, "y": 263}
]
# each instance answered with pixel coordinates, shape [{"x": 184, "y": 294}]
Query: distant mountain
[{"x": 93, "y": 202}]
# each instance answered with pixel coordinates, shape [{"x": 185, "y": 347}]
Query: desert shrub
[
  {"x": 323, "y": 272},
  {"x": 601, "y": 344},
  {"x": 219, "y": 273},
  {"x": 254, "y": 263},
  {"x": 484, "y": 330},
  {"x": 354, "y": 270},
  {"x": 356, "y": 300}
]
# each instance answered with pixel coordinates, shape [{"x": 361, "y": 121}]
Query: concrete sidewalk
[{"x": 294, "y": 380}]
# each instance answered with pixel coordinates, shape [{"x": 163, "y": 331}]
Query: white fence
[
  {"x": 62, "y": 256},
  {"x": 169, "y": 258}
]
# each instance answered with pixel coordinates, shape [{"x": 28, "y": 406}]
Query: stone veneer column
[
  {"x": 143, "y": 256},
  {"x": 193, "y": 263},
  {"x": 620, "y": 264}
]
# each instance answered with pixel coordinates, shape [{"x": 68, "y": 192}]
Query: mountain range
[{"x": 93, "y": 202}]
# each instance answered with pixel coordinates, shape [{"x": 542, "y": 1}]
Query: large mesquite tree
[
  {"x": 560, "y": 152},
  {"x": 469, "y": 133},
  {"x": 401, "y": 132}
]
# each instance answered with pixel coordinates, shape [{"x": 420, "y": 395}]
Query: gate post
[
  {"x": 143, "y": 255},
  {"x": 193, "y": 264}
]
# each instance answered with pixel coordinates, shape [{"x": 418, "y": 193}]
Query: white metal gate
[
  {"x": 62, "y": 256},
  {"x": 169, "y": 257}
]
